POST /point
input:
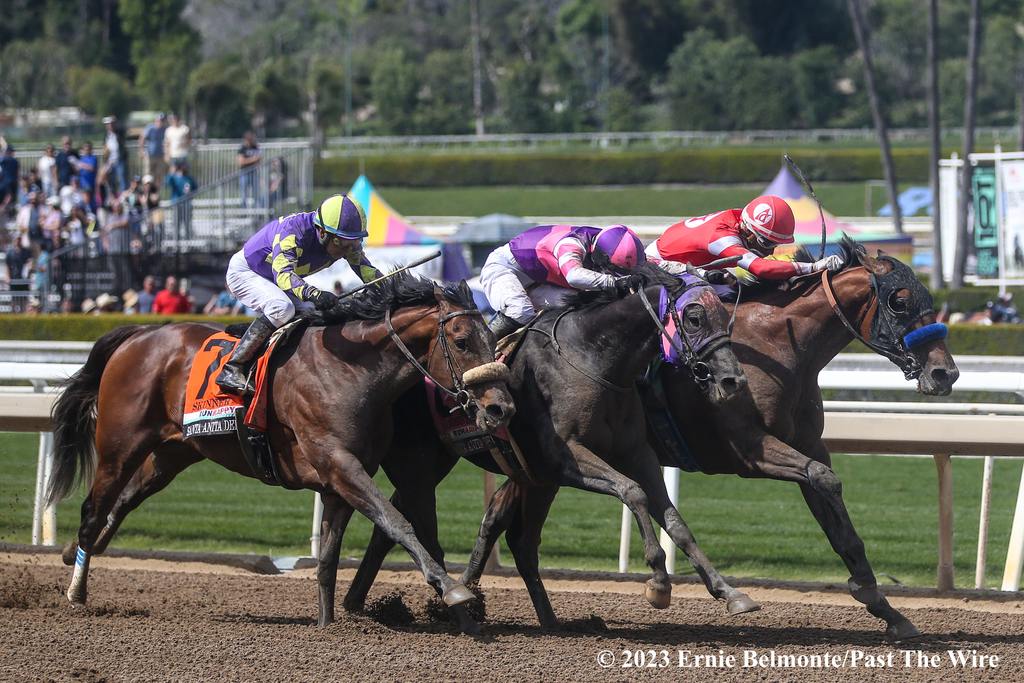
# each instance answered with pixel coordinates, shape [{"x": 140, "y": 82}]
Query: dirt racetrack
[{"x": 157, "y": 621}]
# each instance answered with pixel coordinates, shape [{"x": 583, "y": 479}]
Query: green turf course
[
  {"x": 748, "y": 528},
  {"x": 842, "y": 199}
]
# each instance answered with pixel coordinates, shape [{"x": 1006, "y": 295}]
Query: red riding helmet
[{"x": 771, "y": 218}]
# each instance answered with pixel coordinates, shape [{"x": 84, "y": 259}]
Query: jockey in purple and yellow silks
[
  {"x": 559, "y": 255},
  {"x": 267, "y": 273}
]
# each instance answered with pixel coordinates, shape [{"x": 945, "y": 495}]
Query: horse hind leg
[
  {"x": 823, "y": 493},
  {"x": 115, "y": 468},
  {"x": 157, "y": 471}
]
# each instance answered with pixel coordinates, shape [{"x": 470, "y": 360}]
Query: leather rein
[
  {"x": 902, "y": 356},
  {"x": 460, "y": 394},
  {"x": 700, "y": 369}
]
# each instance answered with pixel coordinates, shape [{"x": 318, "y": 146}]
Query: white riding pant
[
  {"x": 514, "y": 293},
  {"x": 259, "y": 293}
]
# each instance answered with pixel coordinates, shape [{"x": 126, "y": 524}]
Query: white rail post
[
  {"x": 945, "y": 568},
  {"x": 624, "y": 534},
  {"x": 318, "y": 515},
  {"x": 671, "y": 475},
  {"x": 986, "y": 499},
  {"x": 49, "y": 521},
  {"x": 1015, "y": 553},
  {"x": 37, "y": 509}
]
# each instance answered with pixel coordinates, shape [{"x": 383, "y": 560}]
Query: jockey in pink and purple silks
[{"x": 561, "y": 256}]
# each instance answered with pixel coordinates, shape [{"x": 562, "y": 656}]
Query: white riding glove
[
  {"x": 833, "y": 263},
  {"x": 673, "y": 267}
]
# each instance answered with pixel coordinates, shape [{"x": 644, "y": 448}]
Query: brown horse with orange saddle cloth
[{"x": 329, "y": 413}]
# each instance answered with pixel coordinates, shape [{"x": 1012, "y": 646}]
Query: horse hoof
[
  {"x": 741, "y": 604},
  {"x": 660, "y": 597},
  {"x": 76, "y": 601},
  {"x": 456, "y": 595},
  {"x": 901, "y": 630}
]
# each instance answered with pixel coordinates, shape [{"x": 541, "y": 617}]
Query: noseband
[
  {"x": 896, "y": 345},
  {"x": 487, "y": 372}
]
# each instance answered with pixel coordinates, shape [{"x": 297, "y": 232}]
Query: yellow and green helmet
[{"x": 341, "y": 215}]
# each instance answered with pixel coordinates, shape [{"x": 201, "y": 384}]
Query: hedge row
[
  {"x": 614, "y": 168},
  {"x": 996, "y": 340},
  {"x": 81, "y": 327}
]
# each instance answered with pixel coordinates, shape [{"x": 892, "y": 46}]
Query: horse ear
[
  {"x": 439, "y": 296},
  {"x": 875, "y": 264},
  {"x": 465, "y": 290}
]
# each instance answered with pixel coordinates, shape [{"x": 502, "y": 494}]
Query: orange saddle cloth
[{"x": 210, "y": 411}]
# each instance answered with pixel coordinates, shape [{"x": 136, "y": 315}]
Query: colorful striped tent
[
  {"x": 805, "y": 210},
  {"x": 385, "y": 225},
  {"x": 808, "y": 224}
]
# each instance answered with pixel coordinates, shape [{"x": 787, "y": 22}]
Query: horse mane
[
  {"x": 648, "y": 272},
  {"x": 401, "y": 289},
  {"x": 850, "y": 251}
]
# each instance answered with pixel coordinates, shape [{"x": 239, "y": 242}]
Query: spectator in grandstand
[
  {"x": 47, "y": 169},
  {"x": 87, "y": 169},
  {"x": 151, "y": 147},
  {"x": 106, "y": 303},
  {"x": 30, "y": 219},
  {"x": 52, "y": 222},
  {"x": 116, "y": 233},
  {"x": 170, "y": 299},
  {"x": 147, "y": 294},
  {"x": 8, "y": 177},
  {"x": 221, "y": 304},
  {"x": 278, "y": 187},
  {"x": 249, "y": 156},
  {"x": 131, "y": 301},
  {"x": 150, "y": 192},
  {"x": 114, "y": 151},
  {"x": 28, "y": 187},
  {"x": 67, "y": 162},
  {"x": 177, "y": 140},
  {"x": 179, "y": 182}
]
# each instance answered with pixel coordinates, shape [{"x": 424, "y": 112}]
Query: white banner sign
[{"x": 1013, "y": 219}]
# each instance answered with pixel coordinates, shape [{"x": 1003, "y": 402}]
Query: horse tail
[{"x": 74, "y": 418}]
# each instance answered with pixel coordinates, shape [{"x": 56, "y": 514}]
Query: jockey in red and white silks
[
  {"x": 751, "y": 233},
  {"x": 556, "y": 255}
]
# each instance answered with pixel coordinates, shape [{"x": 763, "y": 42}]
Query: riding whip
[
  {"x": 404, "y": 268},
  {"x": 807, "y": 183}
]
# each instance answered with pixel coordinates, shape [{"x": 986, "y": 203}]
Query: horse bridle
[
  {"x": 486, "y": 372},
  {"x": 693, "y": 357},
  {"x": 694, "y": 360},
  {"x": 896, "y": 345}
]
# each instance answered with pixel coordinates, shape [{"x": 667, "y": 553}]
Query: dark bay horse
[
  {"x": 580, "y": 423},
  {"x": 329, "y": 416},
  {"x": 784, "y": 338}
]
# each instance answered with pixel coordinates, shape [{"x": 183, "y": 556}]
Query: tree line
[{"x": 407, "y": 66}]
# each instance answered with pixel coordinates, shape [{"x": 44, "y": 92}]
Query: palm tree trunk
[
  {"x": 936, "y": 140},
  {"x": 973, "y": 48},
  {"x": 882, "y": 130},
  {"x": 478, "y": 100}
]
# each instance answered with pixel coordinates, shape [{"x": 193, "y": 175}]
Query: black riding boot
[
  {"x": 502, "y": 326},
  {"x": 234, "y": 376}
]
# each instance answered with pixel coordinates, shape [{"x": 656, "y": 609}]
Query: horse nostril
[
  {"x": 730, "y": 385},
  {"x": 495, "y": 411},
  {"x": 943, "y": 376}
]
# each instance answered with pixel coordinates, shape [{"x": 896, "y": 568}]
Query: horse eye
[
  {"x": 898, "y": 304},
  {"x": 461, "y": 344}
]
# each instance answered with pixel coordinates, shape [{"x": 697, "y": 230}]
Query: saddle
[{"x": 209, "y": 412}]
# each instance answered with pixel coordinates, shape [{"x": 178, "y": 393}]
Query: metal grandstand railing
[
  {"x": 209, "y": 162},
  {"x": 218, "y": 218}
]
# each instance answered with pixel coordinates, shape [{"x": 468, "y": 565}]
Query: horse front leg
[
  {"x": 587, "y": 471},
  {"x": 643, "y": 468},
  {"x": 502, "y": 508},
  {"x": 337, "y": 514},
  {"x": 823, "y": 493},
  {"x": 346, "y": 477}
]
